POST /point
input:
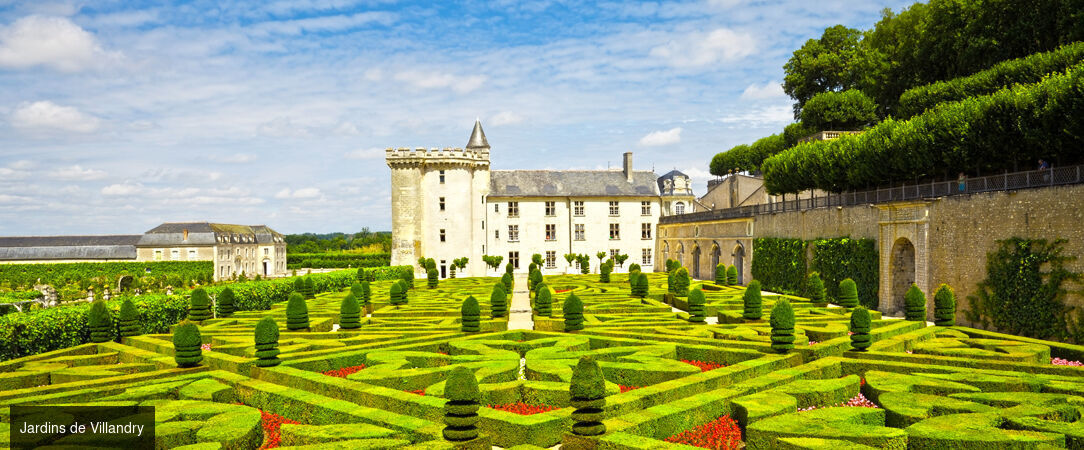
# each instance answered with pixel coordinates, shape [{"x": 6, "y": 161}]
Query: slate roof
[
  {"x": 477, "y": 137},
  {"x": 571, "y": 183},
  {"x": 68, "y": 247},
  {"x": 205, "y": 233}
]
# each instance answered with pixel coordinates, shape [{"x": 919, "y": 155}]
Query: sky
[{"x": 116, "y": 116}]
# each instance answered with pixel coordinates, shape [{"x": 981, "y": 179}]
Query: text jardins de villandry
[{"x": 78, "y": 428}]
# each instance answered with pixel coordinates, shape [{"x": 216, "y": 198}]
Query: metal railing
[{"x": 1057, "y": 176}]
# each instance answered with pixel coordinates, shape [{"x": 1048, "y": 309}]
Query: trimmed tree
[
  {"x": 572, "y": 310},
  {"x": 534, "y": 279},
  {"x": 914, "y": 302},
  {"x": 397, "y": 293},
  {"x": 471, "y": 315},
  {"x": 226, "y": 301},
  {"x": 585, "y": 264},
  {"x": 310, "y": 287},
  {"x": 732, "y": 276},
  {"x": 536, "y": 259},
  {"x": 944, "y": 306},
  {"x": 696, "y": 306},
  {"x": 361, "y": 274},
  {"x": 633, "y": 276},
  {"x": 588, "y": 395},
  {"x": 430, "y": 263},
  {"x": 267, "y": 342},
  {"x": 187, "y": 344},
  {"x": 814, "y": 287},
  {"x": 604, "y": 272},
  {"x": 129, "y": 319},
  {"x": 299, "y": 285},
  {"x": 363, "y": 292},
  {"x": 543, "y": 302},
  {"x": 461, "y": 409},
  {"x": 408, "y": 279},
  {"x": 752, "y": 301},
  {"x": 350, "y": 313},
  {"x": 782, "y": 322},
  {"x": 860, "y": 327},
  {"x": 498, "y": 300},
  {"x": 100, "y": 321},
  {"x": 641, "y": 286},
  {"x": 506, "y": 280},
  {"x": 720, "y": 274},
  {"x": 432, "y": 278},
  {"x": 681, "y": 282},
  {"x": 635, "y": 267},
  {"x": 297, "y": 313},
  {"x": 508, "y": 268},
  {"x": 199, "y": 305},
  {"x": 848, "y": 293}
]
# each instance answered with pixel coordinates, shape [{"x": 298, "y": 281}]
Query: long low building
[{"x": 234, "y": 249}]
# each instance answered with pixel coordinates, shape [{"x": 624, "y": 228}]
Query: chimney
[
  {"x": 628, "y": 166},
  {"x": 186, "y": 234}
]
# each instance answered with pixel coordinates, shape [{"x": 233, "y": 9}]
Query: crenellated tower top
[{"x": 476, "y": 155}]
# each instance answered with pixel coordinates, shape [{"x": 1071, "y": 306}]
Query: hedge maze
[{"x": 666, "y": 381}]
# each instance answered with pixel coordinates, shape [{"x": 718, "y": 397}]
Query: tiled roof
[{"x": 571, "y": 183}]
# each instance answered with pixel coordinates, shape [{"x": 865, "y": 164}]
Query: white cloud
[
  {"x": 310, "y": 192},
  {"x": 78, "y": 173},
  {"x": 282, "y": 127},
  {"x": 763, "y": 116},
  {"x": 506, "y": 118},
  {"x": 48, "y": 115},
  {"x": 239, "y": 158},
  {"x": 367, "y": 153},
  {"x": 657, "y": 138},
  {"x": 374, "y": 74},
  {"x": 324, "y": 23},
  {"x": 54, "y": 42},
  {"x": 346, "y": 129},
  {"x": 431, "y": 80},
  {"x": 770, "y": 90},
  {"x": 4, "y": 198},
  {"x": 122, "y": 189},
  {"x": 701, "y": 49}
]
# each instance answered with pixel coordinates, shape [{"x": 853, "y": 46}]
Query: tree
[
  {"x": 914, "y": 302},
  {"x": 601, "y": 256},
  {"x": 310, "y": 287},
  {"x": 397, "y": 294},
  {"x": 267, "y": 342},
  {"x": 621, "y": 259},
  {"x": 225, "y": 301},
  {"x": 585, "y": 264},
  {"x": 461, "y": 409},
  {"x": 537, "y": 259},
  {"x": 498, "y": 300},
  {"x": 720, "y": 274},
  {"x": 508, "y": 282},
  {"x": 815, "y": 288},
  {"x": 534, "y": 279},
  {"x": 408, "y": 280},
  {"x": 363, "y": 292},
  {"x": 752, "y": 301},
  {"x": 642, "y": 288},
  {"x": 199, "y": 305},
  {"x": 350, "y": 313},
  {"x": 543, "y": 302},
  {"x": 572, "y": 310},
  {"x": 297, "y": 313},
  {"x": 944, "y": 306},
  {"x": 430, "y": 264},
  {"x": 681, "y": 282},
  {"x": 860, "y": 328},
  {"x": 604, "y": 272},
  {"x": 129, "y": 320},
  {"x": 839, "y": 111},
  {"x": 100, "y": 321},
  {"x": 828, "y": 64},
  {"x": 732, "y": 275},
  {"x": 470, "y": 315},
  {"x": 361, "y": 274},
  {"x": 432, "y": 278},
  {"x": 571, "y": 258},
  {"x": 782, "y": 322},
  {"x": 848, "y": 293},
  {"x": 588, "y": 395},
  {"x": 187, "y": 342},
  {"x": 696, "y": 306},
  {"x": 508, "y": 268}
]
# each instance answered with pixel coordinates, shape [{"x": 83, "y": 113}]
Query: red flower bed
[
  {"x": 561, "y": 291},
  {"x": 722, "y": 433},
  {"x": 342, "y": 373},
  {"x": 271, "y": 424},
  {"x": 625, "y": 389},
  {"x": 704, "y": 365},
  {"x": 523, "y": 409},
  {"x": 419, "y": 392}
]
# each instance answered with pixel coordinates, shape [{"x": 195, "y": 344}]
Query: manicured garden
[{"x": 384, "y": 364}]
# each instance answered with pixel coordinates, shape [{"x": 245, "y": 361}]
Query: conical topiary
[
  {"x": 362, "y": 291},
  {"x": 471, "y": 315},
  {"x": 696, "y": 306},
  {"x": 732, "y": 275},
  {"x": 397, "y": 293},
  {"x": 299, "y": 285},
  {"x": 430, "y": 263},
  {"x": 297, "y": 313},
  {"x": 681, "y": 282},
  {"x": 752, "y": 301},
  {"x": 588, "y": 395},
  {"x": 848, "y": 293},
  {"x": 350, "y": 313},
  {"x": 572, "y": 310},
  {"x": 498, "y": 300},
  {"x": 782, "y": 322},
  {"x": 720, "y": 274},
  {"x": 100, "y": 321},
  {"x": 642, "y": 289},
  {"x": 507, "y": 281},
  {"x": 670, "y": 284},
  {"x": 267, "y": 342},
  {"x": 310, "y": 287},
  {"x": 860, "y": 327},
  {"x": 432, "y": 278},
  {"x": 408, "y": 280},
  {"x": 361, "y": 274},
  {"x": 944, "y": 306},
  {"x": 534, "y": 279},
  {"x": 633, "y": 274},
  {"x": 187, "y": 344},
  {"x": 129, "y": 319},
  {"x": 461, "y": 409},
  {"x": 543, "y": 302},
  {"x": 199, "y": 305},
  {"x": 508, "y": 268},
  {"x": 914, "y": 302},
  {"x": 604, "y": 272},
  {"x": 226, "y": 302},
  {"x": 814, "y": 287}
]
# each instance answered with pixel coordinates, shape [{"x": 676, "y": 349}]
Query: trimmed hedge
[
  {"x": 297, "y": 313},
  {"x": 751, "y": 301},
  {"x": 944, "y": 306},
  {"x": 100, "y": 321},
  {"x": 720, "y": 274},
  {"x": 588, "y": 395},
  {"x": 129, "y": 319},
  {"x": 187, "y": 344},
  {"x": 267, "y": 342},
  {"x": 779, "y": 264},
  {"x": 814, "y": 288},
  {"x": 432, "y": 278},
  {"x": 572, "y": 310},
  {"x": 336, "y": 260},
  {"x": 543, "y": 302},
  {"x": 470, "y": 315},
  {"x": 350, "y": 313},
  {"x": 915, "y": 304},
  {"x": 199, "y": 305},
  {"x": 642, "y": 288},
  {"x": 225, "y": 301},
  {"x": 732, "y": 275},
  {"x": 60, "y": 274},
  {"x": 848, "y": 294},
  {"x": 681, "y": 282},
  {"x": 498, "y": 300},
  {"x": 860, "y": 329},
  {"x": 461, "y": 409},
  {"x": 696, "y": 306},
  {"x": 782, "y": 323}
]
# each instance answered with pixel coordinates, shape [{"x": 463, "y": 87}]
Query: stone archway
[
  {"x": 715, "y": 255},
  {"x": 681, "y": 254},
  {"x": 901, "y": 274},
  {"x": 696, "y": 263},
  {"x": 739, "y": 263}
]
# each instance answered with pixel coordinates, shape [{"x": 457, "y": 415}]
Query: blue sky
[{"x": 116, "y": 116}]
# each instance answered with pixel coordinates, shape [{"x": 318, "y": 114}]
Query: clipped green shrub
[
  {"x": 572, "y": 310},
  {"x": 100, "y": 320},
  {"x": 432, "y": 278},
  {"x": 604, "y": 272},
  {"x": 362, "y": 291},
  {"x": 129, "y": 319},
  {"x": 471, "y": 315},
  {"x": 848, "y": 293},
  {"x": 534, "y": 279},
  {"x": 944, "y": 306},
  {"x": 225, "y": 302},
  {"x": 408, "y": 280},
  {"x": 585, "y": 264},
  {"x": 681, "y": 282},
  {"x": 753, "y": 305},
  {"x": 838, "y": 258},
  {"x": 860, "y": 329},
  {"x": 199, "y": 305},
  {"x": 350, "y": 313},
  {"x": 187, "y": 344},
  {"x": 461, "y": 409},
  {"x": 397, "y": 293},
  {"x": 310, "y": 287},
  {"x": 588, "y": 395},
  {"x": 720, "y": 274},
  {"x": 914, "y": 302},
  {"x": 732, "y": 275},
  {"x": 299, "y": 285},
  {"x": 814, "y": 288},
  {"x": 635, "y": 267},
  {"x": 507, "y": 281},
  {"x": 779, "y": 264},
  {"x": 508, "y": 268},
  {"x": 498, "y": 300},
  {"x": 633, "y": 276},
  {"x": 430, "y": 264},
  {"x": 782, "y": 322},
  {"x": 267, "y": 342},
  {"x": 297, "y": 313},
  {"x": 642, "y": 287},
  {"x": 543, "y": 302},
  {"x": 696, "y": 306}
]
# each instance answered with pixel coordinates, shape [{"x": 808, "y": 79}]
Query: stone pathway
[{"x": 519, "y": 317}]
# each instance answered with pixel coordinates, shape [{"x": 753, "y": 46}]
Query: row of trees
[{"x": 364, "y": 240}]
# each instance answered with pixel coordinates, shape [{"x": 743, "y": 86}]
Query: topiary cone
[
  {"x": 100, "y": 322},
  {"x": 944, "y": 304},
  {"x": 507, "y": 280},
  {"x": 397, "y": 293},
  {"x": 267, "y": 342},
  {"x": 588, "y": 395},
  {"x": 860, "y": 328},
  {"x": 543, "y": 302},
  {"x": 226, "y": 302},
  {"x": 129, "y": 319},
  {"x": 696, "y": 306},
  {"x": 720, "y": 274},
  {"x": 310, "y": 287},
  {"x": 498, "y": 300},
  {"x": 732, "y": 275},
  {"x": 751, "y": 300},
  {"x": 461, "y": 409},
  {"x": 350, "y": 313},
  {"x": 914, "y": 302},
  {"x": 199, "y": 305},
  {"x": 572, "y": 310},
  {"x": 432, "y": 278},
  {"x": 815, "y": 288},
  {"x": 187, "y": 344},
  {"x": 782, "y": 322},
  {"x": 642, "y": 289},
  {"x": 681, "y": 282},
  {"x": 848, "y": 293},
  {"x": 471, "y": 315},
  {"x": 297, "y": 313}
]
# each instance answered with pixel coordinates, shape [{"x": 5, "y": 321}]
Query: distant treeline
[
  {"x": 364, "y": 241},
  {"x": 336, "y": 260}
]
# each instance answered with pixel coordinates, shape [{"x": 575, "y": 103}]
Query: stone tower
[{"x": 438, "y": 204}]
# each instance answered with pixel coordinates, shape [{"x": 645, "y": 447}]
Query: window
[
  {"x": 442, "y": 203},
  {"x": 614, "y": 211},
  {"x": 496, "y": 207},
  {"x": 513, "y": 233},
  {"x": 577, "y": 209},
  {"x": 157, "y": 255},
  {"x": 679, "y": 208},
  {"x": 614, "y": 252},
  {"x": 513, "y": 258},
  {"x": 174, "y": 254},
  {"x": 191, "y": 254},
  {"x": 266, "y": 250},
  {"x": 496, "y": 235},
  {"x": 551, "y": 209},
  {"x": 645, "y": 208},
  {"x": 442, "y": 235},
  {"x": 645, "y": 257},
  {"x": 551, "y": 232},
  {"x": 615, "y": 231},
  {"x": 442, "y": 177},
  {"x": 513, "y": 209},
  {"x": 551, "y": 259},
  {"x": 579, "y": 231},
  {"x": 645, "y": 231},
  {"x": 483, "y": 224}
]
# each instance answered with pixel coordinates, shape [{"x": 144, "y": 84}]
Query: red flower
[
  {"x": 722, "y": 433},
  {"x": 419, "y": 392},
  {"x": 704, "y": 365},
  {"x": 271, "y": 424},
  {"x": 523, "y": 409},
  {"x": 342, "y": 373},
  {"x": 625, "y": 389}
]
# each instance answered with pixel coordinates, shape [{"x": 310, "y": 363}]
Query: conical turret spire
[{"x": 477, "y": 137}]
